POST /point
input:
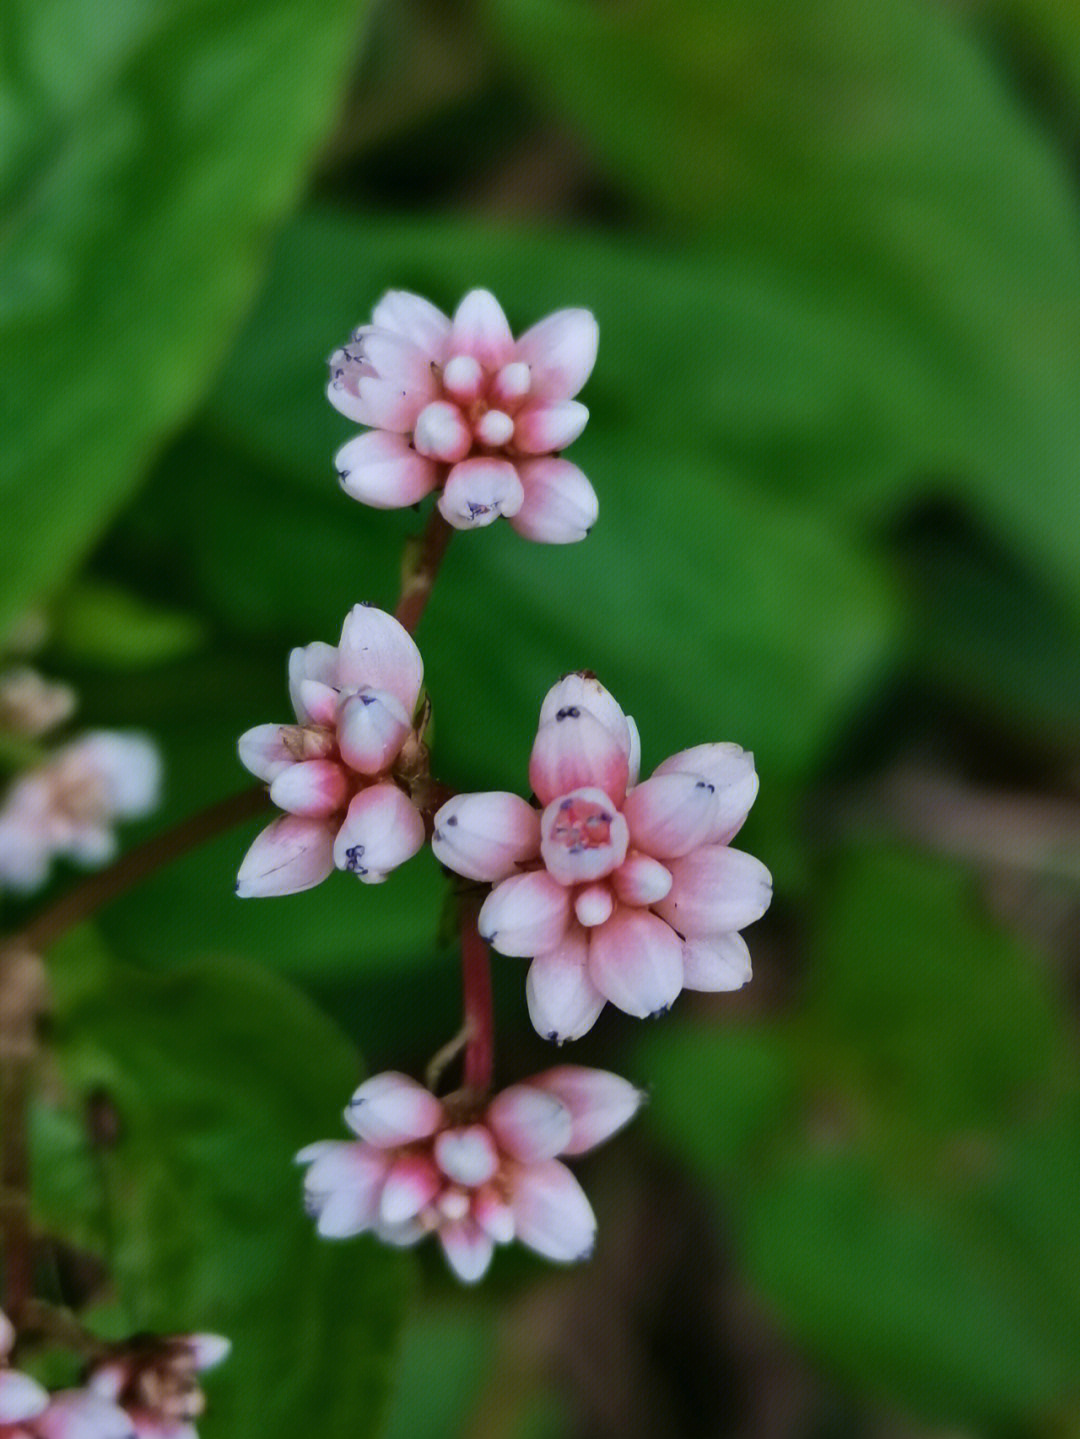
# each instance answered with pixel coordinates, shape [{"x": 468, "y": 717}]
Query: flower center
[{"x": 582, "y": 837}]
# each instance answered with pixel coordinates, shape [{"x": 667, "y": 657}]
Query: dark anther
[
  {"x": 352, "y": 858},
  {"x": 570, "y": 712},
  {"x": 704, "y": 784},
  {"x": 451, "y": 820}
]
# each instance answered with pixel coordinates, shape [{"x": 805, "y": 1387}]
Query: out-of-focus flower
[
  {"x": 462, "y": 407},
  {"x": 69, "y": 806},
  {"x": 21, "y": 1398},
  {"x": 32, "y": 705},
  {"x": 618, "y": 891},
  {"x": 475, "y": 1174},
  {"x": 335, "y": 772},
  {"x": 154, "y": 1380},
  {"x": 82, "y": 1414}
]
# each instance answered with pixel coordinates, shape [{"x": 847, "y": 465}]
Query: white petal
[
  {"x": 316, "y": 661},
  {"x": 530, "y": 1124},
  {"x": 478, "y": 491},
  {"x": 480, "y": 329},
  {"x": 463, "y": 377},
  {"x": 560, "y": 505},
  {"x": 383, "y": 470},
  {"x": 563, "y": 1001},
  {"x": 560, "y": 351},
  {"x": 493, "y": 1214},
  {"x": 414, "y": 318},
  {"x": 372, "y": 726},
  {"x": 730, "y": 770},
  {"x": 346, "y": 1179},
  {"x": 635, "y": 961},
  {"x": 208, "y": 1350},
  {"x": 391, "y": 1109},
  {"x": 715, "y": 890},
  {"x": 543, "y": 429},
  {"x": 486, "y": 836},
  {"x": 526, "y": 914},
  {"x": 412, "y": 1183},
  {"x": 20, "y": 1397},
  {"x": 379, "y": 652},
  {"x": 129, "y": 765},
  {"x": 441, "y": 433},
  {"x": 593, "y": 904},
  {"x": 315, "y": 787},
  {"x": 641, "y": 881},
  {"x": 291, "y": 854},
  {"x": 468, "y": 1156},
  {"x": 600, "y": 1103},
  {"x": 467, "y": 1248},
  {"x": 552, "y": 1214},
  {"x": 716, "y": 964},
  {"x": 382, "y": 829},
  {"x": 582, "y": 690},
  {"x": 399, "y": 362},
  {"x": 81, "y": 1414},
  {"x": 671, "y": 814}
]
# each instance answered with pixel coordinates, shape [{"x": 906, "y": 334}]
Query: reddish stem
[
  {"x": 476, "y": 1002},
  {"x": 418, "y": 581}
]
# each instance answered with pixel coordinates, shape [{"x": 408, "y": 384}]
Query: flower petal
[
  {"x": 583, "y": 690},
  {"x": 386, "y": 405},
  {"x": 343, "y": 1185},
  {"x": 480, "y": 329},
  {"x": 208, "y": 1350},
  {"x": 412, "y": 1183},
  {"x": 671, "y": 814},
  {"x": 81, "y": 1414},
  {"x": 486, "y": 836},
  {"x": 467, "y": 1248},
  {"x": 721, "y": 962},
  {"x": 526, "y": 914},
  {"x": 635, "y": 961},
  {"x": 398, "y": 361},
  {"x": 551, "y": 1213},
  {"x": 543, "y": 429},
  {"x": 127, "y": 766},
  {"x": 467, "y": 1156},
  {"x": 383, "y": 470},
  {"x": 560, "y": 505},
  {"x": 530, "y": 1124},
  {"x": 560, "y": 351},
  {"x": 563, "y": 1001},
  {"x": 20, "y": 1397},
  {"x": 593, "y": 904},
  {"x": 641, "y": 881},
  {"x": 478, "y": 491},
  {"x": 378, "y": 652},
  {"x": 382, "y": 829},
  {"x": 583, "y": 837},
  {"x": 263, "y": 752},
  {"x": 715, "y": 890},
  {"x": 315, "y": 787},
  {"x": 316, "y": 661},
  {"x": 730, "y": 770},
  {"x": 600, "y": 1103},
  {"x": 575, "y": 751},
  {"x": 441, "y": 433},
  {"x": 493, "y": 1214},
  {"x": 414, "y": 318},
  {"x": 391, "y": 1109},
  {"x": 372, "y": 727},
  {"x": 293, "y": 853},
  {"x": 320, "y": 701}
]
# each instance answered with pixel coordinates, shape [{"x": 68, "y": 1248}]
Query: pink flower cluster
[
  {"x": 618, "y": 891},
  {"x": 68, "y": 807},
  {"x": 336, "y": 771},
  {"x": 147, "y": 1390},
  {"x": 460, "y": 407},
  {"x": 477, "y": 1175}
]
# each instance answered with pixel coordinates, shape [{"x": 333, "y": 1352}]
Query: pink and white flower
[
  {"x": 336, "y": 772},
  {"x": 22, "y": 1399},
  {"x": 68, "y": 807},
  {"x": 32, "y": 705},
  {"x": 476, "y": 1174},
  {"x": 461, "y": 407},
  {"x": 154, "y": 1381},
  {"x": 82, "y": 1414},
  {"x": 619, "y": 892}
]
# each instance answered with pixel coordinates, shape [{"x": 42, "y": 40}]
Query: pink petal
[
  {"x": 582, "y": 690},
  {"x": 292, "y": 854},
  {"x": 467, "y": 1156},
  {"x": 208, "y": 1350},
  {"x": 561, "y": 352},
  {"x": 390, "y": 1109},
  {"x": 386, "y": 405},
  {"x": 671, "y": 814},
  {"x": 478, "y": 491},
  {"x": 635, "y": 961},
  {"x": 526, "y": 914},
  {"x": 378, "y": 652},
  {"x": 316, "y": 661},
  {"x": 372, "y": 727},
  {"x": 635, "y": 750},
  {"x": 467, "y": 1248},
  {"x": 560, "y": 505},
  {"x": 263, "y": 752},
  {"x": 343, "y": 1185},
  {"x": 493, "y": 1214},
  {"x": 320, "y": 701},
  {"x": 383, "y": 470},
  {"x": 414, "y": 318},
  {"x": 7, "y": 1335},
  {"x": 81, "y": 1414},
  {"x": 718, "y": 963},
  {"x": 412, "y": 1183},
  {"x": 574, "y": 751},
  {"x": 730, "y": 770},
  {"x": 341, "y": 390},
  {"x": 599, "y": 1103},
  {"x": 486, "y": 836},
  {"x": 593, "y": 905},
  {"x": 641, "y": 881},
  {"x": 715, "y": 890},
  {"x": 583, "y": 837},
  {"x": 530, "y": 1124},
  {"x": 552, "y": 1214},
  {"x": 441, "y": 433},
  {"x": 382, "y": 829},
  {"x": 316, "y": 787},
  {"x": 543, "y": 429},
  {"x": 463, "y": 377},
  {"x": 494, "y": 429},
  {"x": 511, "y": 384},
  {"x": 480, "y": 329},
  {"x": 563, "y": 1001},
  {"x": 399, "y": 362},
  {"x": 20, "y": 1397}
]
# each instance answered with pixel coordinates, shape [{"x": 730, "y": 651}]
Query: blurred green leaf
[
  {"x": 446, "y": 1357},
  {"x": 151, "y": 151},
  {"x": 102, "y": 624},
  {"x": 216, "y": 1076}
]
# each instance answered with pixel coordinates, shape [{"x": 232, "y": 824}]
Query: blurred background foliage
[{"x": 834, "y": 249}]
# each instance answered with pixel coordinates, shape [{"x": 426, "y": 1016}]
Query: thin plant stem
[
  {"x": 476, "y": 1000},
  {"x": 421, "y": 570}
]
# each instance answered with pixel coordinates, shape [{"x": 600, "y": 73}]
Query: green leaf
[
  {"x": 102, "y": 624},
  {"x": 151, "y": 153},
  {"x": 217, "y": 1075}
]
